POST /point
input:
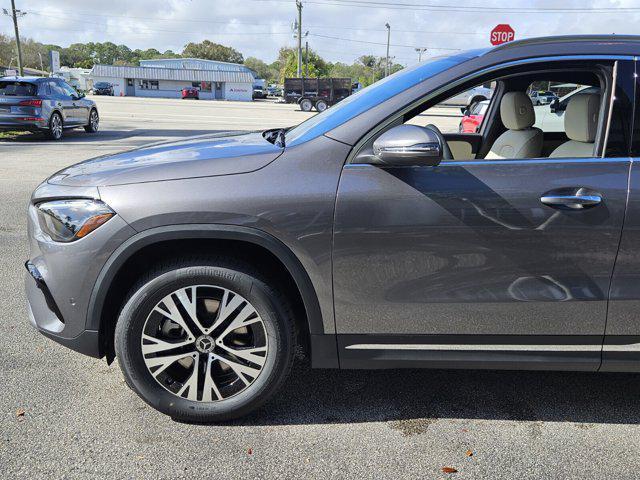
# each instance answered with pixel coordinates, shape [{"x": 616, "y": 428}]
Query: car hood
[{"x": 202, "y": 156}]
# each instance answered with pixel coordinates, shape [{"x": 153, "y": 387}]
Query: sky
[{"x": 340, "y": 30}]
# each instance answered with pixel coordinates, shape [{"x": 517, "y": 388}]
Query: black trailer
[{"x": 318, "y": 93}]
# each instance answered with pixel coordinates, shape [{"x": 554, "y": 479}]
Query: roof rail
[{"x": 568, "y": 38}]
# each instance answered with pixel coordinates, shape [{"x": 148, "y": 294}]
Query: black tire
[
  {"x": 306, "y": 105},
  {"x": 55, "y": 126},
  {"x": 271, "y": 305},
  {"x": 94, "y": 122},
  {"x": 321, "y": 106}
]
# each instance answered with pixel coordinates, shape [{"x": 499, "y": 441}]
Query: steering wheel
[{"x": 446, "y": 151}]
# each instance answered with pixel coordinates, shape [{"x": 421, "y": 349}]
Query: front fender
[{"x": 324, "y": 350}]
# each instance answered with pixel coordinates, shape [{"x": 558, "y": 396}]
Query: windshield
[
  {"x": 373, "y": 95},
  {"x": 102, "y": 85},
  {"x": 21, "y": 89}
]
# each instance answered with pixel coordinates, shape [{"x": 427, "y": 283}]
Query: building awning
[{"x": 157, "y": 73}]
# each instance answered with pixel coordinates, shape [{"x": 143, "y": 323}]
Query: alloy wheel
[
  {"x": 94, "y": 120},
  {"x": 204, "y": 343},
  {"x": 56, "y": 126}
]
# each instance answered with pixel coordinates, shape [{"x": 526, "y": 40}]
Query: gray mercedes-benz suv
[
  {"x": 48, "y": 104},
  {"x": 366, "y": 235}
]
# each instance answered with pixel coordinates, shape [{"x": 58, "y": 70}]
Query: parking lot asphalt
[{"x": 69, "y": 416}]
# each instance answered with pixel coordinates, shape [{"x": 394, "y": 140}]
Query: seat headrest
[
  {"x": 581, "y": 117},
  {"x": 516, "y": 111}
]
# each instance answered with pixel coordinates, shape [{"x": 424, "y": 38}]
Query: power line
[
  {"x": 149, "y": 30},
  {"x": 233, "y": 22},
  {"x": 459, "y": 8},
  {"x": 378, "y": 43}
]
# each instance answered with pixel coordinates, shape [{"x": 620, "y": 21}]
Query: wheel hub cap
[{"x": 205, "y": 344}]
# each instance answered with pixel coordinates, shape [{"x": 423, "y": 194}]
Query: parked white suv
[
  {"x": 550, "y": 118},
  {"x": 470, "y": 97}
]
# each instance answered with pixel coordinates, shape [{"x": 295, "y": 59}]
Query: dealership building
[{"x": 167, "y": 77}]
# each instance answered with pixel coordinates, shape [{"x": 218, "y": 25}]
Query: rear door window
[
  {"x": 18, "y": 89},
  {"x": 550, "y": 111}
]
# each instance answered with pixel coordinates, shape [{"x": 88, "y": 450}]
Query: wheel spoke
[
  {"x": 158, "y": 345},
  {"x": 165, "y": 362},
  {"x": 210, "y": 384},
  {"x": 173, "y": 314},
  {"x": 226, "y": 308},
  {"x": 192, "y": 382},
  {"x": 190, "y": 304},
  {"x": 241, "y": 320},
  {"x": 248, "y": 354},
  {"x": 242, "y": 371}
]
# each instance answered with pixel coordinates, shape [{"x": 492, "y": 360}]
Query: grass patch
[{"x": 12, "y": 134}]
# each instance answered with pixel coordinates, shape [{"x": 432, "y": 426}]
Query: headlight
[{"x": 69, "y": 220}]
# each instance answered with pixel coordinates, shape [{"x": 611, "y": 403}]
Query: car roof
[{"x": 619, "y": 39}]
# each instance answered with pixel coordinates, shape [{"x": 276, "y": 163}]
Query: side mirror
[
  {"x": 408, "y": 145},
  {"x": 554, "y": 106},
  {"x": 464, "y": 110}
]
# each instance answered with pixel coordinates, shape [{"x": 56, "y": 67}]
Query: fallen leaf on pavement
[
  {"x": 20, "y": 413},
  {"x": 448, "y": 470},
  {"x": 250, "y": 451},
  {"x": 469, "y": 453}
]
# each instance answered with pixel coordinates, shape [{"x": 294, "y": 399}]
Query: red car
[
  {"x": 473, "y": 117},
  {"x": 190, "y": 92}
]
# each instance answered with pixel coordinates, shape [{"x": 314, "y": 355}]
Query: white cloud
[{"x": 260, "y": 28}]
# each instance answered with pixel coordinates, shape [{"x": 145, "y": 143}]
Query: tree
[
  {"x": 269, "y": 72},
  {"x": 212, "y": 51},
  {"x": 288, "y": 61}
]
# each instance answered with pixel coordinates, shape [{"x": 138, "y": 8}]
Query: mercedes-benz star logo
[{"x": 204, "y": 344}]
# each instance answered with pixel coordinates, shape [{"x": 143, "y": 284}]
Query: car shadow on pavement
[{"x": 412, "y": 399}]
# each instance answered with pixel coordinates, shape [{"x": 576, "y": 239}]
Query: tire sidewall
[{"x": 134, "y": 314}]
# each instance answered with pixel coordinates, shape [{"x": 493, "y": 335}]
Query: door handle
[{"x": 572, "y": 198}]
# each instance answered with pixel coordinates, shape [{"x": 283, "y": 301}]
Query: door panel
[
  {"x": 467, "y": 248},
  {"x": 621, "y": 350}
]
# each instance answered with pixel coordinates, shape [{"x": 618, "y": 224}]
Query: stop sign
[{"x": 501, "y": 34}]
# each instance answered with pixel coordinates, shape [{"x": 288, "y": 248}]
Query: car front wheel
[
  {"x": 94, "y": 122},
  {"x": 205, "y": 340}
]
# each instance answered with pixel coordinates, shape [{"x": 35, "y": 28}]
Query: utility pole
[
  {"x": 306, "y": 59},
  {"x": 14, "y": 14},
  {"x": 387, "y": 69},
  {"x": 420, "y": 52},
  {"x": 299, "y": 5}
]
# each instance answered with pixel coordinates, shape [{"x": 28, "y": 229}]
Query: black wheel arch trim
[{"x": 214, "y": 232}]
